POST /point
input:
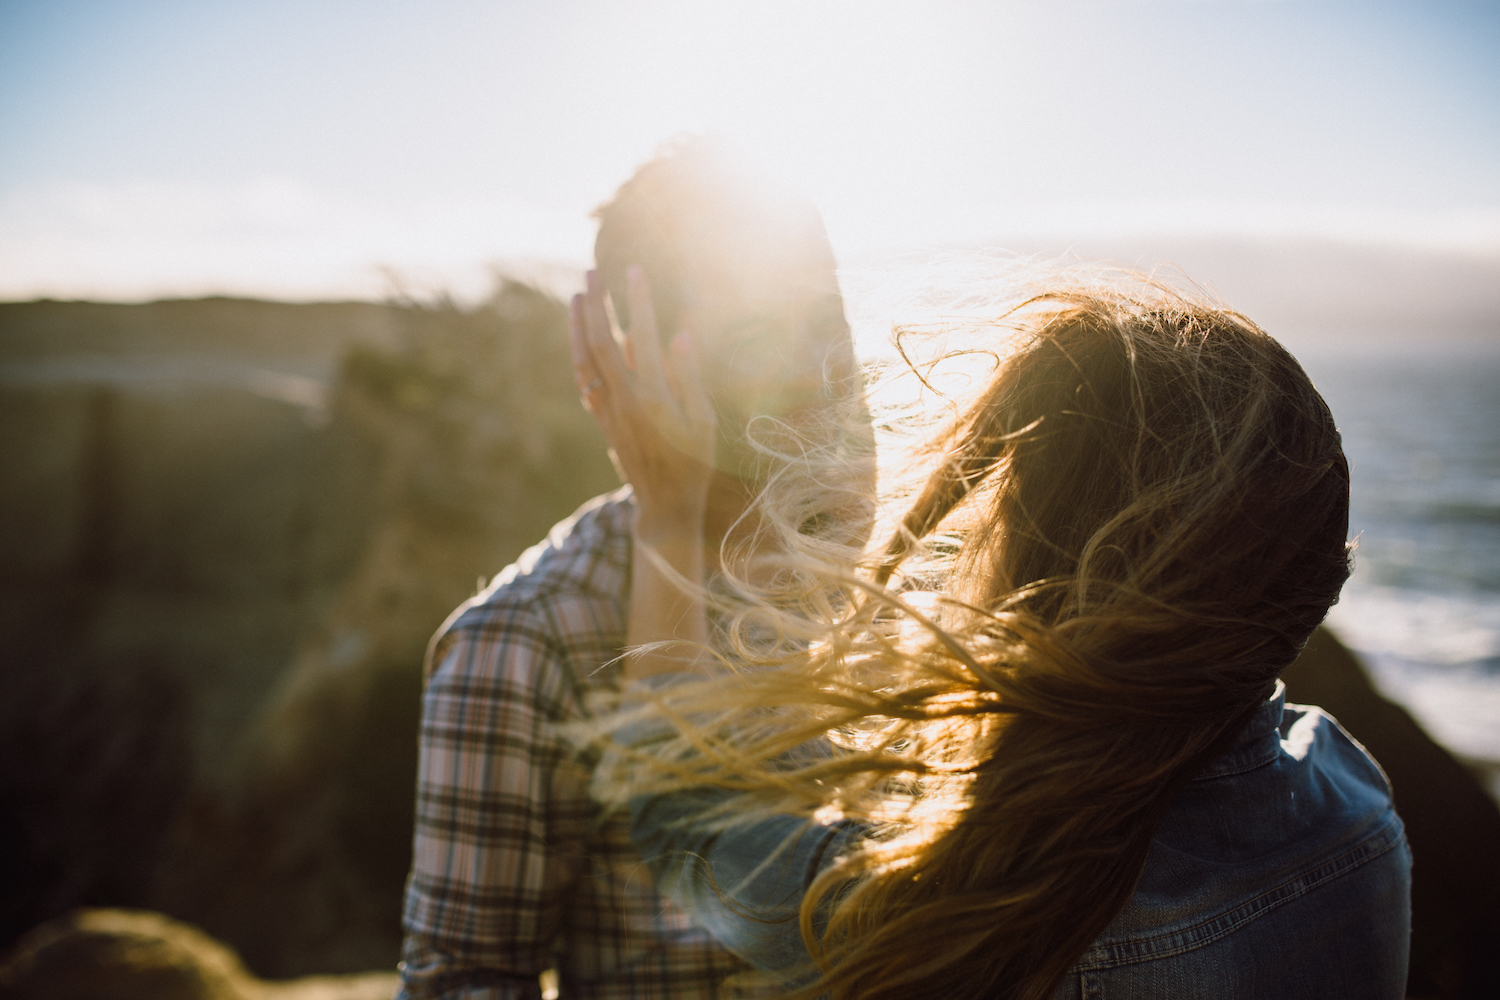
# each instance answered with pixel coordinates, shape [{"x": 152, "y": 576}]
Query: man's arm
[
  {"x": 745, "y": 883},
  {"x": 496, "y": 844},
  {"x": 660, "y": 425}
]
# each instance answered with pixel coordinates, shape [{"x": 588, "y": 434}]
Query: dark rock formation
[
  {"x": 1451, "y": 822},
  {"x": 96, "y": 760}
]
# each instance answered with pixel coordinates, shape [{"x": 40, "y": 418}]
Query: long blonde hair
[{"x": 1129, "y": 531}]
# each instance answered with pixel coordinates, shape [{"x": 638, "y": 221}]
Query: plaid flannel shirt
[{"x": 513, "y": 868}]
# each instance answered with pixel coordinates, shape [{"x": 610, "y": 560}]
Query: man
[{"x": 514, "y": 869}]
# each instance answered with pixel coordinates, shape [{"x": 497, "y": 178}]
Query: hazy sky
[{"x": 294, "y": 148}]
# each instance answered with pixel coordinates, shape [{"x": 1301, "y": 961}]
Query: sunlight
[{"x": 293, "y": 150}]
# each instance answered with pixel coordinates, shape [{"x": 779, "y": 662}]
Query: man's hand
[
  {"x": 653, "y": 410},
  {"x": 660, "y": 426}
]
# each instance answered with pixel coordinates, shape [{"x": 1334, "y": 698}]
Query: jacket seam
[
  {"x": 1255, "y": 764},
  {"x": 1217, "y": 927}
]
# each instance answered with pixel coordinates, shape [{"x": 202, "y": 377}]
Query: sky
[{"x": 326, "y": 148}]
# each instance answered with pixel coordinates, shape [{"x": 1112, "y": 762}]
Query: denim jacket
[{"x": 1280, "y": 871}]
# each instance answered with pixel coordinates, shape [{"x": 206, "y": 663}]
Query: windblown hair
[{"x": 1120, "y": 541}]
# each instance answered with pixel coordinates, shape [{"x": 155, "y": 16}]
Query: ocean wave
[{"x": 1437, "y": 654}]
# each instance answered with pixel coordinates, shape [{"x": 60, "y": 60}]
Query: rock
[
  {"x": 139, "y": 955},
  {"x": 1451, "y": 822},
  {"x": 94, "y": 761}
]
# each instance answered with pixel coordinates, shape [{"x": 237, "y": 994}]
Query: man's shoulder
[
  {"x": 569, "y": 589},
  {"x": 587, "y": 552}
]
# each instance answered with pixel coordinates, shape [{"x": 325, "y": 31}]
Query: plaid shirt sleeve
[{"x": 501, "y": 815}]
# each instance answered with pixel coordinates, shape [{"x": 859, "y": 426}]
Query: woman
[{"x": 1034, "y": 745}]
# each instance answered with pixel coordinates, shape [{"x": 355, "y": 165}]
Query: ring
[{"x": 592, "y": 387}]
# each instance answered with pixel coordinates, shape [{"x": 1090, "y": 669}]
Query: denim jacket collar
[{"x": 1259, "y": 743}]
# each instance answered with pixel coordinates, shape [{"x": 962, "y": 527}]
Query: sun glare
[{"x": 306, "y": 152}]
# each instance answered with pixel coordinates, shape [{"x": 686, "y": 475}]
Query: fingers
[
  {"x": 662, "y": 397},
  {"x": 585, "y": 373},
  {"x": 645, "y": 341},
  {"x": 599, "y": 338}
]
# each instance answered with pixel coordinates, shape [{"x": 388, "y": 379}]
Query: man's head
[{"x": 744, "y": 266}]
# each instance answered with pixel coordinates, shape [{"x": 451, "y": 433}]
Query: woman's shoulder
[{"x": 1282, "y": 846}]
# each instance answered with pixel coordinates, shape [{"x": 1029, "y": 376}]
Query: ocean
[{"x": 1421, "y": 426}]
